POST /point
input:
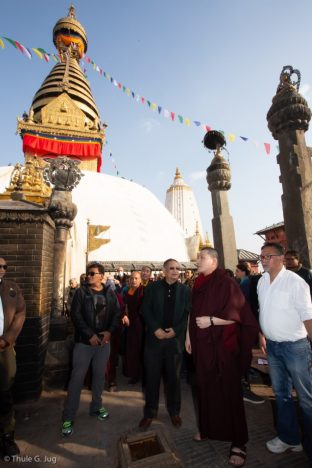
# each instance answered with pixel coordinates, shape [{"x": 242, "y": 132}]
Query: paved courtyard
[{"x": 94, "y": 443}]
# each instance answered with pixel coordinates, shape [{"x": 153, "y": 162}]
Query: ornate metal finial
[
  {"x": 219, "y": 172},
  {"x": 285, "y": 78},
  {"x": 63, "y": 173},
  {"x": 71, "y": 12},
  {"x": 214, "y": 140},
  {"x": 289, "y": 110}
]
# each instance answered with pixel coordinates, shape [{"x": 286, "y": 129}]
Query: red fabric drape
[{"x": 42, "y": 146}]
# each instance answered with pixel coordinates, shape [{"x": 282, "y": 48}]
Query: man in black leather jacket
[{"x": 95, "y": 314}]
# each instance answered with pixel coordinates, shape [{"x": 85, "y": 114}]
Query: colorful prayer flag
[{"x": 37, "y": 52}]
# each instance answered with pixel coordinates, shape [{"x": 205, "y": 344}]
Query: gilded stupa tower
[{"x": 63, "y": 118}]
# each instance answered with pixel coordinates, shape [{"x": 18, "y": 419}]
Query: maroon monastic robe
[
  {"x": 222, "y": 353},
  {"x": 134, "y": 335}
]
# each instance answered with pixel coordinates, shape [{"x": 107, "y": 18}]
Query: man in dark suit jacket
[
  {"x": 165, "y": 309},
  {"x": 12, "y": 316}
]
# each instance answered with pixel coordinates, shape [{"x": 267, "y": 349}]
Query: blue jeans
[{"x": 290, "y": 365}]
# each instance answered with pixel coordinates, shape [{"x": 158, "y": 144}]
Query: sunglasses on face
[
  {"x": 3, "y": 266},
  {"x": 92, "y": 273}
]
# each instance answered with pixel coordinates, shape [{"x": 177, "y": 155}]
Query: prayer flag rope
[{"x": 173, "y": 116}]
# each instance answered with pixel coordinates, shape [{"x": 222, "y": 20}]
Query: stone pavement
[{"x": 94, "y": 443}]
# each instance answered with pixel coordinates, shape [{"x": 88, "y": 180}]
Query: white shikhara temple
[{"x": 181, "y": 203}]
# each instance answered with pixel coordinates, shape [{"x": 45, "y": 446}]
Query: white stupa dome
[{"x": 138, "y": 226}]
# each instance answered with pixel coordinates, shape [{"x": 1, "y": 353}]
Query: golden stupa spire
[
  {"x": 69, "y": 36},
  {"x": 178, "y": 174},
  {"x": 71, "y": 12},
  {"x": 63, "y": 117}
]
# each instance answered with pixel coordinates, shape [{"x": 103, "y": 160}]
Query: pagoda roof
[
  {"x": 270, "y": 228},
  {"x": 246, "y": 256},
  {"x": 134, "y": 265}
]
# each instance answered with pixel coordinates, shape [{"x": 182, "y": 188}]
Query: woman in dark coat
[{"x": 220, "y": 336}]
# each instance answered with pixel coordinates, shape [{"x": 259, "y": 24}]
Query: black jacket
[
  {"x": 84, "y": 314},
  {"x": 153, "y": 311}
]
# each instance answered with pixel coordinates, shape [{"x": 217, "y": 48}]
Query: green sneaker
[
  {"x": 67, "y": 428},
  {"x": 101, "y": 414}
]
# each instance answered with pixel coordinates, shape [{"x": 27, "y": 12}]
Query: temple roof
[
  {"x": 246, "y": 256},
  {"x": 270, "y": 228},
  {"x": 134, "y": 265}
]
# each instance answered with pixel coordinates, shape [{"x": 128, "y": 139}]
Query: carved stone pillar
[
  {"x": 219, "y": 182},
  {"x": 62, "y": 211},
  {"x": 288, "y": 120},
  {"x": 64, "y": 174}
]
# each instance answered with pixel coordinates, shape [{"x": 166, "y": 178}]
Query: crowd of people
[{"x": 213, "y": 316}]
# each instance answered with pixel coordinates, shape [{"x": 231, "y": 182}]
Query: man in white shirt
[{"x": 286, "y": 326}]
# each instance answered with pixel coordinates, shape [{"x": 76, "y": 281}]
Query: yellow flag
[
  {"x": 1, "y": 43},
  {"x": 94, "y": 231},
  {"x": 154, "y": 106},
  {"x": 37, "y": 52},
  {"x": 232, "y": 137},
  {"x": 187, "y": 122}
]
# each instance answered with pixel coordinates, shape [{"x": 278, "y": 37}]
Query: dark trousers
[
  {"x": 162, "y": 358},
  {"x": 112, "y": 364},
  {"x": 82, "y": 357},
  {"x": 7, "y": 375}
]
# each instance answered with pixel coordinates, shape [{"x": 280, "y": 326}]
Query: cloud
[
  {"x": 150, "y": 124},
  {"x": 304, "y": 89},
  {"x": 198, "y": 175}
]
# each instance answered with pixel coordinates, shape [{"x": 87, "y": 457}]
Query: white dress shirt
[{"x": 284, "y": 305}]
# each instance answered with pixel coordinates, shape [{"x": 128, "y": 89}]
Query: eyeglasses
[
  {"x": 4, "y": 266},
  {"x": 92, "y": 273},
  {"x": 268, "y": 257}
]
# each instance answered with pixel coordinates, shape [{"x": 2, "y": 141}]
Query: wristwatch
[{"x": 211, "y": 320}]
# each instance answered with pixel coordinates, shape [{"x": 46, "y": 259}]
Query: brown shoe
[
  {"x": 145, "y": 423},
  {"x": 176, "y": 420}
]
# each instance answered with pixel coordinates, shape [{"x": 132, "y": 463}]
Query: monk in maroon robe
[
  {"x": 221, "y": 332},
  {"x": 135, "y": 331}
]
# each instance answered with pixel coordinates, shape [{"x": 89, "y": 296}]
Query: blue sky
[{"x": 215, "y": 61}]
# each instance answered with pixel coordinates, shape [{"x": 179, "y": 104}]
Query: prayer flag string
[{"x": 173, "y": 116}]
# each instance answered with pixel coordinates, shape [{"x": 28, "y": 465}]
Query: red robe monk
[{"x": 221, "y": 332}]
